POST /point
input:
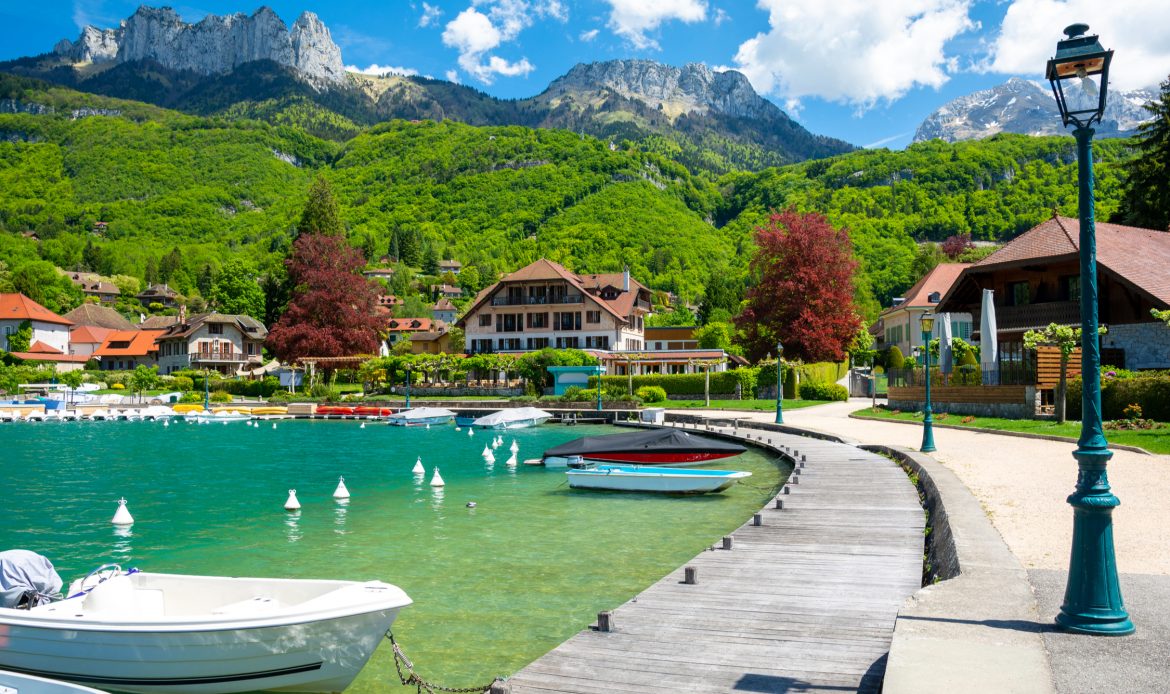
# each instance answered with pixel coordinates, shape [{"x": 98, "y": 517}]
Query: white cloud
[
  {"x": 631, "y": 19},
  {"x": 1135, "y": 29},
  {"x": 376, "y": 69},
  {"x": 721, "y": 16},
  {"x": 453, "y": 76},
  {"x": 430, "y": 15},
  {"x": 476, "y": 34},
  {"x": 853, "y": 51},
  {"x": 588, "y": 36}
]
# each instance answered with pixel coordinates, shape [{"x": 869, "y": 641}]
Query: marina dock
[{"x": 803, "y": 602}]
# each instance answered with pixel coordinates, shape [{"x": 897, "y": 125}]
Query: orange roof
[
  {"x": 129, "y": 343},
  {"x": 411, "y": 324},
  {"x": 20, "y": 307},
  {"x": 39, "y": 347},
  {"x": 57, "y": 358},
  {"x": 939, "y": 280},
  {"x": 89, "y": 334}
]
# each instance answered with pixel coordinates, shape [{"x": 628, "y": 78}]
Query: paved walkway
[{"x": 804, "y": 602}]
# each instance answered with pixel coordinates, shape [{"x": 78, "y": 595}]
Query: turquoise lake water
[{"x": 494, "y": 587}]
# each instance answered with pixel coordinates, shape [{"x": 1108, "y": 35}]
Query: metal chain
[{"x": 422, "y": 685}]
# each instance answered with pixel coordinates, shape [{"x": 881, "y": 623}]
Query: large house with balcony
[
  {"x": 215, "y": 341},
  {"x": 545, "y": 305},
  {"x": 899, "y": 324},
  {"x": 125, "y": 350},
  {"x": 1037, "y": 281}
]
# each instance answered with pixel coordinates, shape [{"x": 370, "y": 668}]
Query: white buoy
[
  {"x": 274, "y": 425},
  {"x": 470, "y": 431},
  {"x": 437, "y": 479},
  {"x": 418, "y": 467},
  {"x": 490, "y": 457},
  {"x": 486, "y": 451},
  {"x": 428, "y": 425},
  {"x": 511, "y": 462},
  {"x": 292, "y": 504},
  {"x": 470, "y": 504},
  {"x": 341, "y": 492},
  {"x": 122, "y": 515},
  {"x": 515, "y": 446},
  {"x": 363, "y": 426},
  {"x": 166, "y": 422},
  {"x": 458, "y": 429}
]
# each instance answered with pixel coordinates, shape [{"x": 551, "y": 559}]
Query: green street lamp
[
  {"x": 1092, "y": 598},
  {"x": 927, "y": 324},
  {"x": 408, "y": 387},
  {"x": 779, "y": 383},
  {"x": 600, "y": 370}
]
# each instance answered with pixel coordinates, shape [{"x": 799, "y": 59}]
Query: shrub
[
  {"x": 183, "y": 383},
  {"x": 651, "y": 394},
  {"x": 191, "y": 397},
  {"x": 878, "y": 370},
  {"x": 968, "y": 419},
  {"x": 221, "y": 396},
  {"x": 1150, "y": 391},
  {"x": 325, "y": 392},
  {"x": 894, "y": 358},
  {"x": 790, "y": 384},
  {"x": 523, "y": 398},
  {"x": 118, "y": 386},
  {"x": 823, "y": 391},
  {"x": 677, "y": 384}
]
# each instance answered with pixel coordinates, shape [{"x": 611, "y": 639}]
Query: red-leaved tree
[
  {"x": 331, "y": 313},
  {"x": 957, "y": 245},
  {"x": 803, "y": 294}
]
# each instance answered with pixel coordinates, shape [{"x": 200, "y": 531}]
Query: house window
[
  {"x": 1072, "y": 288},
  {"x": 481, "y": 346},
  {"x": 597, "y": 342},
  {"x": 568, "y": 342},
  {"x": 537, "y": 320},
  {"x": 511, "y": 344},
  {"x": 537, "y": 343},
  {"x": 593, "y": 316},
  {"x": 507, "y": 323},
  {"x": 963, "y": 329},
  {"x": 215, "y": 329},
  {"x": 1018, "y": 291},
  {"x": 485, "y": 320},
  {"x": 251, "y": 348}
]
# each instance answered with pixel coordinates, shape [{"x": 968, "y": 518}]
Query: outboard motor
[{"x": 27, "y": 580}]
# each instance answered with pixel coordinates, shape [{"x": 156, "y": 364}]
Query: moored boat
[
  {"x": 421, "y": 416},
  {"x": 334, "y": 411},
  {"x": 217, "y": 416},
  {"x": 664, "y": 446},
  {"x": 148, "y": 632},
  {"x": 17, "y": 683},
  {"x": 513, "y": 418},
  {"x": 640, "y": 478}
]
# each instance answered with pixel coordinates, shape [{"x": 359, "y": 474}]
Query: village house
[
  {"x": 437, "y": 341},
  {"x": 379, "y": 273},
  {"x": 402, "y": 328},
  {"x": 159, "y": 294},
  {"x": 444, "y": 310},
  {"x": 125, "y": 350},
  {"x": 671, "y": 337},
  {"x": 449, "y": 291},
  {"x": 545, "y": 305},
  {"x": 86, "y": 339},
  {"x": 93, "y": 285},
  {"x": 47, "y": 327},
  {"x": 217, "y": 341},
  {"x": 95, "y": 315},
  {"x": 898, "y": 326},
  {"x": 451, "y": 266},
  {"x": 1036, "y": 279}
]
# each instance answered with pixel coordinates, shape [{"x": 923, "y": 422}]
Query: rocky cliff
[
  {"x": 1028, "y": 108},
  {"x": 214, "y": 45}
]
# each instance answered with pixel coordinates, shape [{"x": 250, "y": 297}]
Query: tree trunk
[{"x": 1061, "y": 390}]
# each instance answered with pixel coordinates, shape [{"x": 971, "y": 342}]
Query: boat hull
[
  {"x": 680, "y": 458},
  {"x": 424, "y": 421},
  {"x": 662, "y": 480}
]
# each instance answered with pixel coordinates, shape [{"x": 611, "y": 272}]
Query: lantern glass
[
  {"x": 1080, "y": 77},
  {"x": 927, "y": 322}
]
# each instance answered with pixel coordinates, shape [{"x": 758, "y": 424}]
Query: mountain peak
[{"x": 214, "y": 45}]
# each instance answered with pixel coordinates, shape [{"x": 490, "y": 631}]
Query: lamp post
[
  {"x": 1092, "y": 596},
  {"x": 927, "y": 324},
  {"x": 599, "y": 372},
  {"x": 779, "y": 382},
  {"x": 408, "y": 387}
]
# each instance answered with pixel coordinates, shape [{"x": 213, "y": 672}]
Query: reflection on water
[
  {"x": 339, "y": 514},
  {"x": 293, "y": 526},
  {"x": 122, "y": 548}
]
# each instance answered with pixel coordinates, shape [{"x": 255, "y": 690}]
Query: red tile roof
[
  {"x": 20, "y": 307},
  {"x": 1139, "y": 256},
  {"x": 52, "y": 358},
  {"x": 39, "y": 347},
  {"x": 407, "y": 325},
  {"x": 940, "y": 280},
  {"x": 129, "y": 343},
  {"x": 89, "y": 334},
  {"x": 99, "y": 316}
]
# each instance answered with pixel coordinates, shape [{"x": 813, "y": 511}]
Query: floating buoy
[
  {"x": 470, "y": 504},
  {"x": 458, "y": 429},
  {"x": 363, "y": 426},
  {"x": 486, "y": 451},
  {"x": 418, "y": 467},
  {"x": 511, "y": 462},
  {"x": 428, "y": 425},
  {"x": 274, "y": 425},
  {"x": 470, "y": 431},
  {"x": 292, "y": 504},
  {"x": 122, "y": 515},
  {"x": 515, "y": 446},
  {"x": 341, "y": 492},
  {"x": 437, "y": 479},
  {"x": 490, "y": 457}
]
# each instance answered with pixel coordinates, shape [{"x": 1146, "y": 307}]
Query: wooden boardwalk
[{"x": 805, "y": 602}]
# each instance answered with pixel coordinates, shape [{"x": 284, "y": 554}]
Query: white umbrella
[
  {"x": 946, "y": 357},
  {"x": 988, "y": 347}
]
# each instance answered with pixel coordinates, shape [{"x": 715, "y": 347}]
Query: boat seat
[{"x": 253, "y": 605}]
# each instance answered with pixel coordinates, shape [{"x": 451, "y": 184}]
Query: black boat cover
[{"x": 652, "y": 441}]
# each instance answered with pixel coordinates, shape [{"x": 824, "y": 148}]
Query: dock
[{"x": 805, "y": 601}]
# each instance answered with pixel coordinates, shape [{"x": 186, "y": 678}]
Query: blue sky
[{"x": 864, "y": 71}]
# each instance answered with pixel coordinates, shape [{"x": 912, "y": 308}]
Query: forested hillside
[{"x": 188, "y": 193}]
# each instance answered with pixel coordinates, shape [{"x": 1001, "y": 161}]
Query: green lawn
[
  {"x": 1152, "y": 440},
  {"x": 747, "y": 405}
]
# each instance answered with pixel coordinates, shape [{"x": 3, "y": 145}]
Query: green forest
[{"x": 182, "y": 194}]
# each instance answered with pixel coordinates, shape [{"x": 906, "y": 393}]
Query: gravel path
[{"x": 1022, "y": 485}]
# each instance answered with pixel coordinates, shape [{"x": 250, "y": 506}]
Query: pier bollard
[
  {"x": 690, "y": 575},
  {"x": 757, "y": 519},
  {"x": 605, "y": 621},
  {"x": 779, "y": 503},
  {"x": 794, "y": 478},
  {"x": 500, "y": 686},
  {"x": 726, "y": 542},
  {"x": 786, "y": 490},
  {"x": 803, "y": 458}
]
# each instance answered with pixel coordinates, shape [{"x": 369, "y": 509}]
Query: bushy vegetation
[
  {"x": 650, "y": 394},
  {"x": 814, "y": 390},
  {"x": 1150, "y": 391}
]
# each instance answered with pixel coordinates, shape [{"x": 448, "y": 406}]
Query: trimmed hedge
[
  {"x": 823, "y": 391},
  {"x": 651, "y": 394},
  {"x": 1151, "y": 391},
  {"x": 684, "y": 384}
]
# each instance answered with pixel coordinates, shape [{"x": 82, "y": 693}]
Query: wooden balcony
[{"x": 1036, "y": 316}]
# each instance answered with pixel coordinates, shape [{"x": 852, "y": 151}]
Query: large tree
[
  {"x": 803, "y": 293},
  {"x": 1147, "y": 191},
  {"x": 320, "y": 215},
  {"x": 236, "y": 290}
]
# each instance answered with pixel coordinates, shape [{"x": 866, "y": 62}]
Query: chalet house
[
  {"x": 387, "y": 303},
  {"x": 125, "y": 350},
  {"x": 437, "y": 341},
  {"x": 899, "y": 325},
  {"x": 86, "y": 339},
  {"x": 545, "y": 305},
  {"x": 444, "y": 310},
  {"x": 98, "y": 316},
  {"x": 47, "y": 327},
  {"x": 159, "y": 294},
  {"x": 671, "y": 337},
  {"x": 379, "y": 273},
  {"x": 93, "y": 285},
  {"x": 449, "y": 291},
  {"x": 217, "y": 341},
  {"x": 402, "y": 328},
  {"x": 1036, "y": 279},
  {"x": 451, "y": 266}
]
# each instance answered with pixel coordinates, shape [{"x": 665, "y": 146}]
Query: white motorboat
[
  {"x": 513, "y": 418},
  {"x": 224, "y": 416},
  {"x": 16, "y": 683},
  {"x": 421, "y": 416},
  {"x": 148, "y": 632},
  {"x": 99, "y": 415},
  {"x": 641, "y": 478}
]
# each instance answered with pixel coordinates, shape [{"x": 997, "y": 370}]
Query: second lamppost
[
  {"x": 927, "y": 323},
  {"x": 779, "y": 383}
]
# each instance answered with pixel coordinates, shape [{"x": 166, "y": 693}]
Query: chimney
[
  {"x": 626, "y": 279},
  {"x": 182, "y": 314}
]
